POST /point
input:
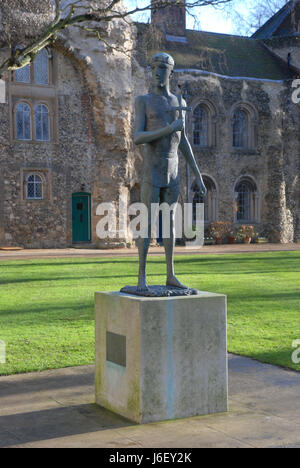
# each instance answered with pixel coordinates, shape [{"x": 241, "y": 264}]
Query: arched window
[
  {"x": 240, "y": 129},
  {"x": 244, "y": 123},
  {"x": 210, "y": 201},
  {"x": 41, "y": 68},
  {"x": 23, "y": 121},
  {"x": 201, "y": 126},
  {"x": 34, "y": 187},
  {"x": 42, "y": 124},
  {"x": 246, "y": 201}
]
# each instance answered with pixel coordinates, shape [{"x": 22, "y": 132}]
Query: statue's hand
[
  {"x": 201, "y": 187},
  {"x": 176, "y": 126}
]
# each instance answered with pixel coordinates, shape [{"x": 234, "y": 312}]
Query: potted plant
[
  {"x": 261, "y": 240},
  {"x": 208, "y": 240},
  {"x": 246, "y": 233},
  {"x": 231, "y": 237},
  {"x": 219, "y": 229}
]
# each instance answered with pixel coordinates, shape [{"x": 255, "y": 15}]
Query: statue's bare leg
[
  {"x": 170, "y": 195},
  {"x": 143, "y": 246},
  {"x": 149, "y": 195}
]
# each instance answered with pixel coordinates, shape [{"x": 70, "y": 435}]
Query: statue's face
[{"x": 161, "y": 74}]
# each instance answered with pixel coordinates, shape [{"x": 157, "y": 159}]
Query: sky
[
  {"x": 216, "y": 19},
  {"x": 210, "y": 18}
]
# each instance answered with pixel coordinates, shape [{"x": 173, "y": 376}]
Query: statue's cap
[{"x": 162, "y": 57}]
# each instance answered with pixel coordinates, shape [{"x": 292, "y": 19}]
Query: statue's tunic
[{"x": 160, "y": 161}]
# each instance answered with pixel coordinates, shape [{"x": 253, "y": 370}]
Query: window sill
[
  {"x": 34, "y": 199},
  {"x": 204, "y": 148},
  {"x": 243, "y": 151},
  {"x": 206, "y": 222},
  {"x": 30, "y": 85},
  {"x": 32, "y": 142},
  {"x": 246, "y": 223}
]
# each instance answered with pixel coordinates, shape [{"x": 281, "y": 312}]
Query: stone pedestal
[{"x": 161, "y": 358}]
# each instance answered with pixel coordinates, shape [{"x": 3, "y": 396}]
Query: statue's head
[
  {"x": 162, "y": 57},
  {"x": 162, "y": 66}
]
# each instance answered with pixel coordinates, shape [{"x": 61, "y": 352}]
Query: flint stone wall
[{"x": 92, "y": 144}]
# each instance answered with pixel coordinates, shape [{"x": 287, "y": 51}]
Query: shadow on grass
[
  {"x": 67, "y": 311},
  {"x": 254, "y": 295},
  {"x": 55, "y": 263},
  {"x": 263, "y": 261},
  {"x": 65, "y": 278},
  {"x": 125, "y": 276},
  {"x": 60, "y": 311},
  {"x": 273, "y": 257}
]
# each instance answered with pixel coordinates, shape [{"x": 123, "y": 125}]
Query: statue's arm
[
  {"x": 188, "y": 154},
  {"x": 140, "y": 135}
]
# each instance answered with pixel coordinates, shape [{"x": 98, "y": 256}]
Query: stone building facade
[
  {"x": 67, "y": 124},
  {"x": 65, "y": 141},
  {"x": 243, "y": 126}
]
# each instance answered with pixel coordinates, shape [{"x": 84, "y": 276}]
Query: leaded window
[
  {"x": 240, "y": 129},
  {"x": 42, "y": 127},
  {"x": 23, "y": 75},
  {"x": 34, "y": 187},
  {"x": 201, "y": 126},
  {"x": 244, "y": 201},
  {"x": 41, "y": 68},
  {"x": 23, "y": 121},
  {"x": 36, "y": 73}
]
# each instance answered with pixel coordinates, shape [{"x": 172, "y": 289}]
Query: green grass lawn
[{"x": 46, "y": 306}]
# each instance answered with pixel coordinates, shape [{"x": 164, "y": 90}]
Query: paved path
[
  {"x": 28, "y": 254},
  {"x": 55, "y": 409}
]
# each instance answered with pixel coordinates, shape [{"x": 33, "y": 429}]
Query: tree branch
[{"x": 21, "y": 57}]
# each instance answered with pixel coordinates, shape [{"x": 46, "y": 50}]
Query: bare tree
[
  {"x": 28, "y": 26},
  {"x": 249, "y": 15}
]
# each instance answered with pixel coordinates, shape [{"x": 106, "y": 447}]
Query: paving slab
[{"x": 56, "y": 409}]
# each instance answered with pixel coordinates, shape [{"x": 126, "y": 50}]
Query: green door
[{"x": 81, "y": 217}]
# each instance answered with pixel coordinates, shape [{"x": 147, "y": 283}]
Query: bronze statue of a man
[{"x": 160, "y": 126}]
